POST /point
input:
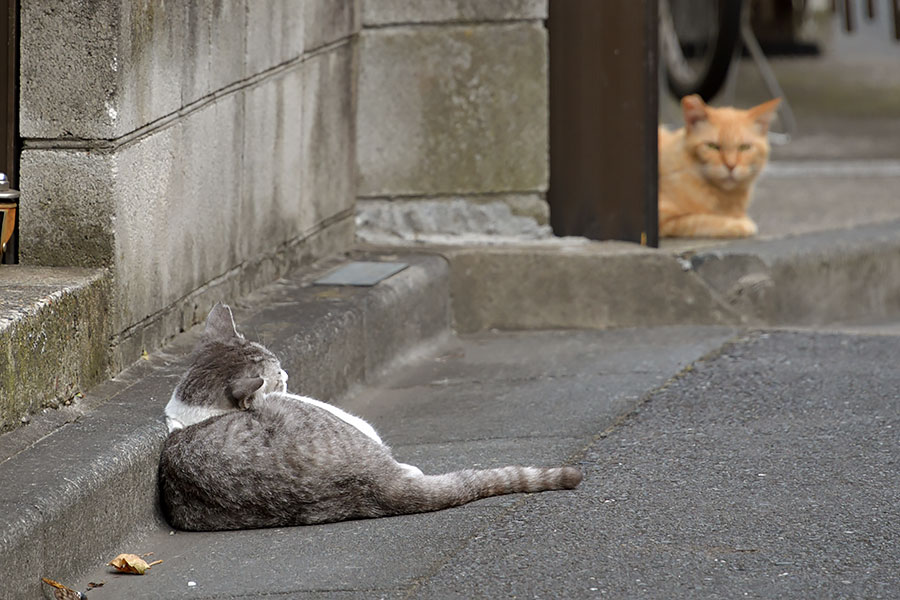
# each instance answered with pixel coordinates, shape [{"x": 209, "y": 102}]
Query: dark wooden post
[
  {"x": 604, "y": 94},
  {"x": 9, "y": 159}
]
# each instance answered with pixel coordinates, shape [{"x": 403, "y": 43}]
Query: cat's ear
[
  {"x": 694, "y": 110},
  {"x": 762, "y": 115},
  {"x": 220, "y": 323},
  {"x": 242, "y": 390}
]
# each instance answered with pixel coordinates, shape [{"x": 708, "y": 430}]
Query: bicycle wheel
[{"x": 698, "y": 39}]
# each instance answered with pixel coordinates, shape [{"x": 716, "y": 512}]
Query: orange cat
[{"x": 708, "y": 167}]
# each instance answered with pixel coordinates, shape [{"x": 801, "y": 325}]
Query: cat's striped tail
[{"x": 424, "y": 493}]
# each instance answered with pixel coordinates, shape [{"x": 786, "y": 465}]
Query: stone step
[{"x": 54, "y": 338}]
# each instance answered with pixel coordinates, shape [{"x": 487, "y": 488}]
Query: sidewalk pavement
[{"x": 718, "y": 464}]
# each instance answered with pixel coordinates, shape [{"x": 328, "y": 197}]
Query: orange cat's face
[{"x": 728, "y": 144}]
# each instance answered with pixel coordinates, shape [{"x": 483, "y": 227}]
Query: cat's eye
[
  {"x": 712, "y": 145},
  {"x": 744, "y": 147}
]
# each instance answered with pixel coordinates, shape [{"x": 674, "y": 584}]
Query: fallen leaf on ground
[
  {"x": 132, "y": 563},
  {"x": 62, "y": 592},
  {"x": 92, "y": 585}
]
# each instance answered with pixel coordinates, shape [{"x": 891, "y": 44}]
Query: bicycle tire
[{"x": 709, "y": 80}]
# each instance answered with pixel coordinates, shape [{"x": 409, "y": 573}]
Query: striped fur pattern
[{"x": 278, "y": 459}]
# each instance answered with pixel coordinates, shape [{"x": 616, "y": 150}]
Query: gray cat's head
[{"x": 228, "y": 371}]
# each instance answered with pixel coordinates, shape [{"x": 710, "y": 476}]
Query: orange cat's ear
[
  {"x": 694, "y": 110},
  {"x": 762, "y": 114}
]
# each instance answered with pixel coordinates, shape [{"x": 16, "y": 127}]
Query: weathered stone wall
[
  {"x": 195, "y": 148},
  {"x": 452, "y": 120}
]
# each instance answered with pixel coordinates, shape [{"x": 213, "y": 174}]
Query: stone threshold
[{"x": 54, "y": 338}]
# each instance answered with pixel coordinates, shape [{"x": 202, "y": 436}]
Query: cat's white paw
[
  {"x": 411, "y": 471},
  {"x": 747, "y": 227}
]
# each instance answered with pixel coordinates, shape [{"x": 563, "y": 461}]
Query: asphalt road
[{"x": 717, "y": 464}]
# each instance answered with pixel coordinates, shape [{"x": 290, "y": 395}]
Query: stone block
[
  {"x": 275, "y": 33},
  {"x": 215, "y": 47},
  {"x": 453, "y": 109},
  {"x": 272, "y": 210},
  {"x": 68, "y": 78},
  {"x": 454, "y": 219},
  {"x": 577, "y": 284},
  {"x": 54, "y": 337},
  {"x": 327, "y": 21},
  {"x": 328, "y": 142},
  {"x": 178, "y": 216},
  {"x": 389, "y": 12},
  {"x": 136, "y": 62},
  {"x": 151, "y": 45},
  {"x": 67, "y": 208}
]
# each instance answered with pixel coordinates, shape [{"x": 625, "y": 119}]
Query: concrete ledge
[
  {"x": 571, "y": 284},
  {"x": 72, "y": 494},
  {"x": 812, "y": 279},
  {"x": 54, "y": 337}
]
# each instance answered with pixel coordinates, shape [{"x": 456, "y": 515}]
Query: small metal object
[
  {"x": 9, "y": 203},
  {"x": 361, "y": 273}
]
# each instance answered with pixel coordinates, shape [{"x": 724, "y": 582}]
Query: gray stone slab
[
  {"x": 272, "y": 208},
  {"x": 54, "y": 231},
  {"x": 178, "y": 215},
  {"x": 392, "y": 12},
  {"x": 275, "y": 33},
  {"x": 810, "y": 279},
  {"x": 326, "y": 21},
  {"x": 67, "y": 49},
  {"x": 328, "y": 143},
  {"x": 361, "y": 273},
  {"x": 53, "y": 338},
  {"x": 452, "y": 110},
  {"x": 769, "y": 470},
  {"x": 575, "y": 283},
  {"x": 458, "y": 219},
  {"x": 151, "y": 45}
]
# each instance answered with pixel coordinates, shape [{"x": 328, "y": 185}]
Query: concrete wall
[
  {"x": 452, "y": 119},
  {"x": 195, "y": 148}
]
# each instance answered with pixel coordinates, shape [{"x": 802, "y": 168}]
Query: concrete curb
[
  {"x": 593, "y": 285},
  {"x": 73, "y": 494},
  {"x": 54, "y": 332},
  {"x": 811, "y": 279}
]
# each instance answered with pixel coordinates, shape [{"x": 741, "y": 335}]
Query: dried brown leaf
[{"x": 129, "y": 563}]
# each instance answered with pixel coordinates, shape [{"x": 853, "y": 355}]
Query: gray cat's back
[{"x": 280, "y": 463}]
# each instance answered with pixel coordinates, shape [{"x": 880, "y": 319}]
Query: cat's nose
[{"x": 730, "y": 161}]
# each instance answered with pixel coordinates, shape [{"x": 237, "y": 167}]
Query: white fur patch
[
  {"x": 180, "y": 415},
  {"x": 342, "y": 415},
  {"x": 411, "y": 471}
]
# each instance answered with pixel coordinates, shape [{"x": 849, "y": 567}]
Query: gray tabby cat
[{"x": 243, "y": 453}]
